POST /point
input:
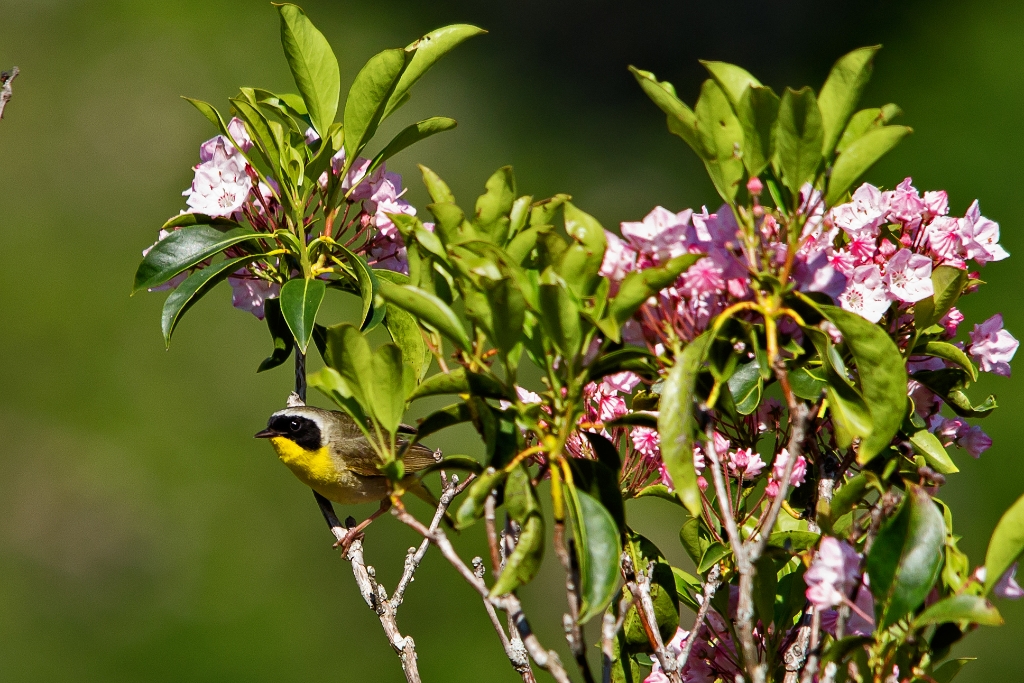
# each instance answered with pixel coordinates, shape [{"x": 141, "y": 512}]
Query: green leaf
[
  {"x": 369, "y": 93},
  {"x": 259, "y": 130},
  {"x": 949, "y": 384},
  {"x": 712, "y": 556},
  {"x": 676, "y": 422},
  {"x": 928, "y": 446},
  {"x": 279, "y": 332},
  {"x": 369, "y": 288},
  {"x": 436, "y": 188},
  {"x": 757, "y": 111},
  {"x": 410, "y": 135},
  {"x": 947, "y": 351},
  {"x": 184, "y": 220},
  {"x": 865, "y": 120},
  {"x": 798, "y": 139},
  {"x": 560, "y": 317},
  {"x": 848, "y": 496},
  {"x": 632, "y": 358},
  {"x": 524, "y": 561},
  {"x": 425, "y": 53},
  {"x": 331, "y": 384},
  {"x": 859, "y": 157},
  {"x": 882, "y": 374},
  {"x": 680, "y": 118},
  {"x": 210, "y": 112},
  {"x": 663, "y": 594},
  {"x": 638, "y": 286},
  {"x": 721, "y": 136},
  {"x": 906, "y": 558},
  {"x": 300, "y": 301},
  {"x": 794, "y": 541},
  {"x": 948, "y": 283},
  {"x": 598, "y": 550},
  {"x": 472, "y": 506},
  {"x": 589, "y": 235},
  {"x": 765, "y": 585},
  {"x": 427, "y": 308},
  {"x": 184, "y": 249},
  {"x": 970, "y": 608},
  {"x": 388, "y": 386},
  {"x": 948, "y": 670},
  {"x": 459, "y": 381},
  {"x": 746, "y": 386},
  {"x": 509, "y": 314},
  {"x": 195, "y": 288},
  {"x": 406, "y": 333},
  {"x": 457, "y": 413},
  {"x": 314, "y": 66},
  {"x": 732, "y": 80},
  {"x": 348, "y": 352},
  {"x": 494, "y": 205},
  {"x": 693, "y": 539},
  {"x": 841, "y": 92},
  {"x": 625, "y": 668},
  {"x": 1006, "y": 544}
]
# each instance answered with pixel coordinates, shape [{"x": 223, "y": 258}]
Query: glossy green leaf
[
  {"x": 524, "y": 561},
  {"x": 509, "y": 308},
  {"x": 625, "y": 668},
  {"x": 369, "y": 93},
  {"x": 694, "y": 539},
  {"x": 859, "y": 157},
  {"x": 1006, "y": 544},
  {"x": 598, "y": 550},
  {"x": 865, "y": 120},
  {"x": 765, "y": 586},
  {"x": 842, "y": 91},
  {"x": 687, "y": 586},
  {"x": 425, "y": 53},
  {"x": 279, "y": 332},
  {"x": 410, "y": 135},
  {"x": 947, "y": 671},
  {"x": 183, "y": 249},
  {"x": 495, "y": 204},
  {"x": 663, "y": 594},
  {"x": 733, "y": 80},
  {"x": 437, "y": 189},
  {"x": 457, "y": 413},
  {"x": 676, "y": 422},
  {"x": 882, "y": 375},
  {"x": 388, "y": 385},
  {"x": 459, "y": 381},
  {"x": 349, "y": 353},
  {"x": 210, "y": 112},
  {"x": 259, "y": 131},
  {"x": 808, "y": 383},
  {"x": 906, "y": 558},
  {"x": 714, "y": 554},
  {"x": 429, "y": 309},
  {"x": 794, "y": 541},
  {"x": 300, "y": 301},
  {"x": 848, "y": 496},
  {"x": 928, "y": 446},
  {"x": 405, "y": 332},
  {"x": 949, "y": 384},
  {"x": 638, "y": 286},
  {"x": 369, "y": 288},
  {"x": 746, "y": 386},
  {"x": 186, "y": 219},
  {"x": 970, "y": 608},
  {"x": 472, "y": 506},
  {"x": 681, "y": 119},
  {"x": 313, "y": 65},
  {"x": 948, "y": 283},
  {"x": 560, "y": 317},
  {"x": 947, "y": 351},
  {"x": 194, "y": 288},
  {"x": 757, "y": 111},
  {"x": 721, "y": 136},
  {"x": 331, "y": 384},
  {"x": 798, "y": 138}
]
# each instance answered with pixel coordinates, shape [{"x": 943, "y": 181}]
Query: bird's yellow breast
[
  {"x": 318, "y": 470},
  {"x": 314, "y": 468}
]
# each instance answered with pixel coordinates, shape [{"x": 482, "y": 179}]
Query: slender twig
[
  {"x": 571, "y": 620},
  {"x": 517, "y": 653},
  {"x": 638, "y": 583},
  {"x": 710, "y": 588},
  {"x": 545, "y": 659},
  {"x": 6, "y": 78},
  {"x": 610, "y": 625},
  {"x": 814, "y": 651}
]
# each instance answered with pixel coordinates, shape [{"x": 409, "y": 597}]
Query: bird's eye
[{"x": 294, "y": 425}]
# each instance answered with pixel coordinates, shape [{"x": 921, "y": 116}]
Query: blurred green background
[{"x": 144, "y": 535}]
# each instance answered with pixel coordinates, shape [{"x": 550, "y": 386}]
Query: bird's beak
[{"x": 266, "y": 434}]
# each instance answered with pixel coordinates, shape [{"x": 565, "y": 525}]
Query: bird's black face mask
[{"x": 301, "y": 430}]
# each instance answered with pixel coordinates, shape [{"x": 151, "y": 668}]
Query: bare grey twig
[
  {"x": 639, "y": 585},
  {"x": 710, "y": 588},
  {"x": 6, "y": 79}
]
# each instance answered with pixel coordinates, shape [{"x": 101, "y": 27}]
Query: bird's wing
[{"x": 419, "y": 457}]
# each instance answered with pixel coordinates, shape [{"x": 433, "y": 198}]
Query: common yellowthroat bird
[{"x": 328, "y": 452}]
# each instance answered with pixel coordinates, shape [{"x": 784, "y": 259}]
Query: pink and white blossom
[
  {"x": 909, "y": 276},
  {"x": 646, "y": 441},
  {"x": 992, "y": 346},
  {"x": 833, "y": 574},
  {"x": 250, "y": 294},
  {"x": 866, "y": 294},
  {"x": 745, "y": 464},
  {"x": 974, "y": 440},
  {"x": 221, "y": 185}
]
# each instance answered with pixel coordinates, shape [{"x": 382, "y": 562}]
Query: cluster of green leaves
[
  {"x": 298, "y": 246},
  {"x": 743, "y": 129}
]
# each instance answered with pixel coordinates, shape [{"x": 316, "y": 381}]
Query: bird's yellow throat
[{"x": 314, "y": 468}]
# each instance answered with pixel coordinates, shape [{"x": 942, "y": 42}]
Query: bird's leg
[{"x": 356, "y": 531}]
